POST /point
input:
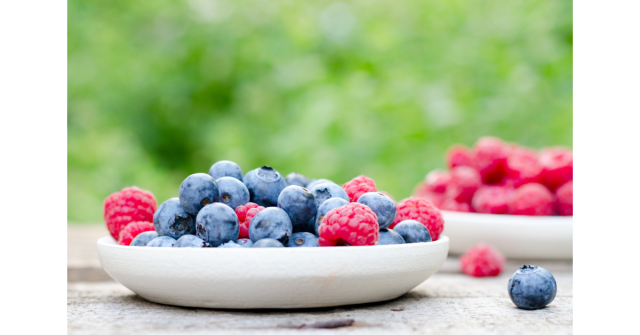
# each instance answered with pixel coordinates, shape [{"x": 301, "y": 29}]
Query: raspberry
[
  {"x": 532, "y": 199},
  {"x": 422, "y": 191},
  {"x": 557, "y": 166},
  {"x": 492, "y": 199},
  {"x": 564, "y": 199},
  {"x": 437, "y": 181},
  {"x": 131, "y": 230},
  {"x": 523, "y": 166},
  {"x": 489, "y": 157},
  {"x": 359, "y": 186},
  {"x": 422, "y": 210},
  {"x": 464, "y": 183},
  {"x": 455, "y": 206},
  {"x": 482, "y": 260},
  {"x": 245, "y": 214},
  {"x": 129, "y": 205},
  {"x": 353, "y": 224},
  {"x": 458, "y": 155}
]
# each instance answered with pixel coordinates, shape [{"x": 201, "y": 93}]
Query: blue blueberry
[
  {"x": 271, "y": 222},
  {"x": 264, "y": 185},
  {"x": 325, "y": 208},
  {"x": 268, "y": 243},
  {"x": 295, "y": 178},
  {"x": 170, "y": 219},
  {"x": 303, "y": 240},
  {"x": 143, "y": 239},
  {"x": 225, "y": 169},
  {"x": 389, "y": 236},
  {"x": 190, "y": 241},
  {"x": 325, "y": 191},
  {"x": 197, "y": 191},
  {"x": 412, "y": 231},
  {"x": 382, "y": 205},
  {"x": 300, "y": 205},
  {"x": 233, "y": 192},
  {"x": 245, "y": 242},
  {"x": 314, "y": 182},
  {"x": 162, "y": 242},
  {"x": 532, "y": 287},
  {"x": 230, "y": 244},
  {"x": 217, "y": 223}
]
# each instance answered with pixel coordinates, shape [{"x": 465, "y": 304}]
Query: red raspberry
[
  {"x": 131, "y": 230},
  {"x": 354, "y": 224},
  {"x": 464, "y": 183},
  {"x": 437, "y": 181},
  {"x": 245, "y": 214},
  {"x": 532, "y": 199},
  {"x": 557, "y": 166},
  {"x": 564, "y": 199},
  {"x": 489, "y": 157},
  {"x": 359, "y": 186},
  {"x": 422, "y": 191},
  {"x": 458, "y": 155},
  {"x": 523, "y": 166},
  {"x": 482, "y": 260},
  {"x": 492, "y": 199},
  {"x": 421, "y": 210},
  {"x": 129, "y": 205},
  {"x": 456, "y": 206}
]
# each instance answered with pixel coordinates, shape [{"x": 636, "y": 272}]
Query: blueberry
[
  {"x": 230, "y": 244},
  {"x": 268, "y": 243},
  {"x": 314, "y": 182},
  {"x": 190, "y": 241},
  {"x": 245, "y": 242},
  {"x": 412, "y": 231},
  {"x": 324, "y": 191},
  {"x": 325, "y": 208},
  {"x": 264, "y": 185},
  {"x": 303, "y": 240},
  {"x": 300, "y": 205},
  {"x": 382, "y": 205},
  {"x": 271, "y": 222},
  {"x": 170, "y": 219},
  {"x": 217, "y": 223},
  {"x": 389, "y": 236},
  {"x": 197, "y": 191},
  {"x": 532, "y": 287},
  {"x": 233, "y": 192},
  {"x": 225, "y": 169},
  {"x": 162, "y": 241},
  {"x": 143, "y": 239},
  {"x": 295, "y": 178}
]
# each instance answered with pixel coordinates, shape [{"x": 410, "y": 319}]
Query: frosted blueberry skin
[
  {"x": 230, "y": 244},
  {"x": 233, "y": 192},
  {"x": 268, "y": 243},
  {"x": 389, "y": 236},
  {"x": 162, "y": 242},
  {"x": 303, "y": 239},
  {"x": 315, "y": 182},
  {"x": 190, "y": 241},
  {"x": 325, "y": 208},
  {"x": 197, "y": 191},
  {"x": 300, "y": 205},
  {"x": 382, "y": 205},
  {"x": 170, "y": 219},
  {"x": 271, "y": 222},
  {"x": 225, "y": 169},
  {"x": 264, "y": 185},
  {"x": 532, "y": 287},
  {"x": 326, "y": 191},
  {"x": 217, "y": 223},
  {"x": 412, "y": 231},
  {"x": 143, "y": 239},
  {"x": 244, "y": 242},
  {"x": 295, "y": 178}
]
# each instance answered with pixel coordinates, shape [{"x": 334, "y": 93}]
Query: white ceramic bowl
[
  {"x": 516, "y": 236},
  {"x": 272, "y": 277}
]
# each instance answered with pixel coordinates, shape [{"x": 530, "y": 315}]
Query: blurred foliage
[{"x": 161, "y": 89}]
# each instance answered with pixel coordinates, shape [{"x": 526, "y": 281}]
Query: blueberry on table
[
  {"x": 190, "y": 241},
  {"x": 300, "y": 205},
  {"x": 217, "y": 223},
  {"x": 172, "y": 220},
  {"x": 382, "y": 205},
  {"x": 271, "y": 222},
  {"x": 162, "y": 242},
  {"x": 244, "y": 242},
  {"x": 268, "y": 243},
  {"x": 197, "y": 191},
  {"x": 532, "y": 287},
  {"x": 412, "y": 231},
  {"x": 233, "y": 192},
  {"x": 264, "y": 185},
  {"x": 325, "y": 208},
  {"x": 225, "y": 169},
  {"x": 295, "y": 178},
  {"x": 143, "y": 239},
  {"x": 389, "y": 236},
  {"x": 303, "y": 239},
  {"x": 326, "y": 191}
]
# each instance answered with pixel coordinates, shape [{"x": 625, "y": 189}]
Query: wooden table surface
[{"x": 447, "y": 303}]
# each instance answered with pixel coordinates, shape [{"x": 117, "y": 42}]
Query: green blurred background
[{"x": 158, "y": 90}]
